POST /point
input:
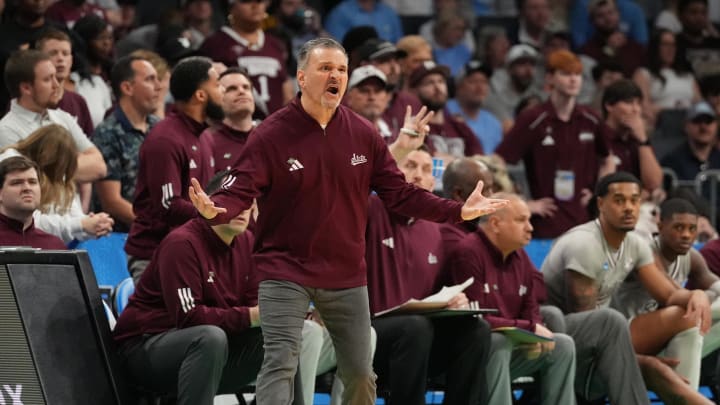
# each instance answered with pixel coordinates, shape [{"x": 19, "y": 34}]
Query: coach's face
[{"x": 324, "y": 78}]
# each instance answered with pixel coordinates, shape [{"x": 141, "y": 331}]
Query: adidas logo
[
  {"x": 548, "y": 141},
  {"x": 193, "y": 165},
  {"x": 357, "y": 159},
  {"x": 432, "y": 259},
  {"x": 228, "y": 182},
  {"x": 295, "y": 164},
  {"x": 389, "y": 242}
]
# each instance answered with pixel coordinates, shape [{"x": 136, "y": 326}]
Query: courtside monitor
[{"x": 55, "y": 343}]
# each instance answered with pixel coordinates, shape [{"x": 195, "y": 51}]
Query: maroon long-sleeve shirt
[
  {"x": 172, "y": 153},
  {"x": 194, "y": 278},
  {"x": 312, "y": 186},
  {"x": 404, "y": 257},
  {"x": 12, "y": 233},
  {"x": 226, "y": 143},
  {"x": 503, "y": 284}
]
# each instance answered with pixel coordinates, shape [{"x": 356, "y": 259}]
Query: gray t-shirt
[
  {"x": 633, "y": 299},
  {"x": 583, "y": 249}
]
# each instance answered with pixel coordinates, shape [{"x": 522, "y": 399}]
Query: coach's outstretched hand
[
  {"x": 202, "y": 202},
  {"x": 478, "y": 205}
]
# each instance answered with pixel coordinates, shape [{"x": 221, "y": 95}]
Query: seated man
[
  {"x": 675, "y": 256},
  {"x": 504, "y": 279},
  {"x": 191, "y": 327},
  {"x": 19, "y": 198},
  {"x": 583, "y": 270},
  {"x": 404, "y": 259}
]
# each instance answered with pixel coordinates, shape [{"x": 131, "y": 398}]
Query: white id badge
[{"x": 564, "y": 185}]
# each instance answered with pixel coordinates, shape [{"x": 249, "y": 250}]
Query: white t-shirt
[{"x": 583, "y": 249}]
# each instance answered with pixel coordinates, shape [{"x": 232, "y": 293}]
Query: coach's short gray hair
[{"x": 304, "y": 52}]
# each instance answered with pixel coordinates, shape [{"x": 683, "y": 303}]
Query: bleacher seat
[
  {"x": 121, "y": 294},
  {"x": 108, "y": 258},
  {"x": 537, "y": 249}
]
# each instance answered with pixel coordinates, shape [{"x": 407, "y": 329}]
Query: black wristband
[{"x": 646, "y": 143}]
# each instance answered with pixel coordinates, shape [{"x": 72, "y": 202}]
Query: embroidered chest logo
[
  {"x": 193, "y": 165},
  {"x": 295, "y": 164},
  {"x": 227, "y": 156},
  {"x": 210, "y": 279},
  {"x": 389, "y": 242},
  {"x": 432, "y": 259},
  {"x": 522, "y": 290},
  {"x": 548, "y": 141},
  {"x": 357, "y": 159}
]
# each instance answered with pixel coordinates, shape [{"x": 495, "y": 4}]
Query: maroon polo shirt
[
  {"x": 13, "y": 234},
  {"x": 711, "y": 253},
  {"x": 226, "y": 143},
  {"x": 394, "y": 115},
  {"x": 266, "y": 65},
  {"x": 404, "y": 257},
  {"x": 172, "y": 153},
  {"x": 312, "y": 186},
  {"x": 506, "y": 285},
  {"x": 64, "y": 11},
  {"x": 630, "y": 57},
  {"x": 194, "y": 278},
  {"x": 546, "y": 144},
  {"x": 453, "y": 128},
  {"x": 75, "y": 105},
  {"x": 625, "y": 148}
]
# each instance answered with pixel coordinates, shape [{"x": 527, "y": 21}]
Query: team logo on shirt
[
  {"x": 210, "y": 279},
  {"x": 432, "y": 259},
  {"x": 295, "y": 164},
  {"x": 389, "y": 242},
  {"x": 227, "y": 156},
  {"x": 357, "y": 159},
  {"x": 586, "y": 136},
  {"x": 522, "y": 290},
  {"x": 548, "y": 141},
  {"x": 193, "y": 165}
]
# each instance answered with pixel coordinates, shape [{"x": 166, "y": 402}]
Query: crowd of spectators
[{"x": 111, "y": 107}]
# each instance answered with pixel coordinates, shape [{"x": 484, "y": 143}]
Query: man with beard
[
  {"x": 586, "y": 267},
  {"x": 385, "y": 56},
  {"x": 30, "y": 77},
  {"x": 228, "y": 137},
  {"x": 513, "y": 83},
  {"x": 700, "y": 151},
  {"x": 610, "y": 44},
  {"x": 26, "y": 21},
  {"x": 172, "y": 153},
  {"x": 472, "y": 88},
  {"x": 449, "y": 137},
  {"x": 311, "y": 166},
  {"x": 564, "y": 148}
]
